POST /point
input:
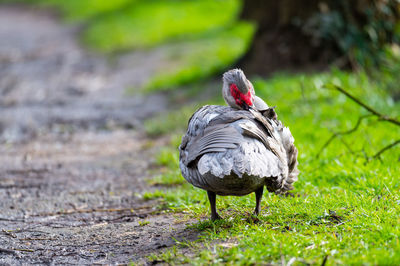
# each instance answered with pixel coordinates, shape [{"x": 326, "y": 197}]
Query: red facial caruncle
[{"x": 240, "y": 97}]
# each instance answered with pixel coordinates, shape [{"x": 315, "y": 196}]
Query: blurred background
[
  {"x": 206, "y": 37},
  {"x": 88, "y": 87},
  {"x": 176, "y": 43},
  {"x": 106, "y": 50}
]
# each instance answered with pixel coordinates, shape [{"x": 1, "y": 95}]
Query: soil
[{"x": 73, "y": 157}]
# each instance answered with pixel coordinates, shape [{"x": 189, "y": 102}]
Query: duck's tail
[{"x": 291, "y": 155}]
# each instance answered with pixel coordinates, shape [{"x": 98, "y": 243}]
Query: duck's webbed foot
[
  {"x": 259, "y": 194},
  {"x": 212, "y": 198}
]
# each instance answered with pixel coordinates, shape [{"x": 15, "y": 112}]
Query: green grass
[
  {"x": 342, "y": 209},
  {"x": 168, "y": 123},
  {"x": 168, "y": 160},
  {"x": 201, "y": 58},
  {"x": 152, "y": 22}
]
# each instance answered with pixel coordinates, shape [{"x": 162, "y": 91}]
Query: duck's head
[{"x": 238, "y": 92}]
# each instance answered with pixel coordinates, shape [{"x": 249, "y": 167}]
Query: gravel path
[{"x": 72, "y": 160}]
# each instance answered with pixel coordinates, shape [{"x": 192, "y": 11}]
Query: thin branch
[
  {"x": 74, "y": 211},
  {"x": 368, "y": 108},
  {"x": 24, "y": 249},
  {"x": 346, "y": 145},
  {"x": 37, "y": 239},
  {"x": 373, "y": 112},
  {"x": 20, "y": 186},
  {"x": 12, "y": 251},
  {"x": 9, "y": 251},
  {"x": 12, "y": 220},
  {"x": 9, "y": 233},
  {"x": 337, "y": 134},
  {"x": 378, "y": 154}
]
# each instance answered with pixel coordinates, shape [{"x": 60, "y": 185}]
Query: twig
[
  {"x": 385, "y": 149},
  {"x": 92, "y": 211},
  {"x": 24, "y": 249},
  {"x": 336, "y": 134},
  {"x": 339, "y": 224},
  {"x": 9, "y": 233},
  {"x": 12, "y": 251},
  {"x": 9, "y": 251},
  {"x": 36, "y": 239},
  {"x": 346, "y": 145},
  {"x": 373, "y": 112},
  {"x": 12, "y": 220},
  {"x": 368, "y": 108},
  {"x": 20, "y": 186},
  {"x": 25, "y": 171}
]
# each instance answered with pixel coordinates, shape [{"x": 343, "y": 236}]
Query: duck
[{"x": 238, "y": 149}]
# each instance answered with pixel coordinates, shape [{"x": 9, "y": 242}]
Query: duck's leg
[
  {"x": 212, "y": 198},
  {"x": 259, "y": 194}
]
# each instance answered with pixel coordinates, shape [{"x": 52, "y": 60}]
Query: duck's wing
[
  {"x": 259, "y": 104},
  {"x": 284, "y": 146},
  {"x": 216, "y": 138},
  {"x": 201, "y": 137},
  {"x": 251, "y": 157},
  {"x": 222, "y": 141}
]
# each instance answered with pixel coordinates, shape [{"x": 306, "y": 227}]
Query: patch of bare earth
[{"x": 73, "y": 160}]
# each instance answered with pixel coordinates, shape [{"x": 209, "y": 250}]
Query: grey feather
[
  {"x": 251, "y": 130},
  {"x": 214, "y": 139},
  {"x": 233, "y": 145},
  {"x": 259, "y": 104},
  {"x": 230, "y": 151}
]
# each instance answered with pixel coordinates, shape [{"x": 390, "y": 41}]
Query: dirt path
[
  {"x": 48, "y": 80},
  {"x": 72, "y": 160}
]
